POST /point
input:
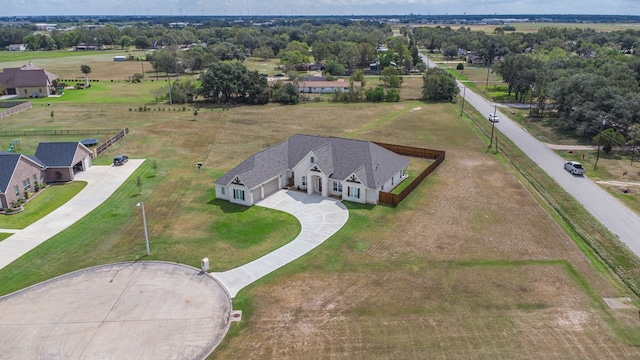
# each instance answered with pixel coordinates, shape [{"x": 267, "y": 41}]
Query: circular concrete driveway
[{"x": 142, "y": 310}]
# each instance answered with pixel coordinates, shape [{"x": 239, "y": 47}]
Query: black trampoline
[{"x": 89, "y": 142}]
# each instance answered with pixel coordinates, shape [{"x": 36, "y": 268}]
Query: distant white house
[
  {"x": 17, "y": 47},
  {"x": 119, "y": 58},
  {"x": 325, "y": 87},
  {"x": 353, "y": 170}
]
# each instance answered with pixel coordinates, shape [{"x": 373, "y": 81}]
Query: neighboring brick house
[
  {"x": 353, "y": 170},
  {"x": 18, "y": 173},
  {"x": 63, "y": 159},
  {"x": 27, "y": 81},
  {"x": 52, "y": 162}
]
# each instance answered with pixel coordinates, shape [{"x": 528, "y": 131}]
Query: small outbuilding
[{"x": 119, "y": 58}]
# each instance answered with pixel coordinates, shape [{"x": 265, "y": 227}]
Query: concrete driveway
[
  {"x": 140, "y": 310},
  {"x": 320, "y": 218},
  {"x": 102, "y": 182}
]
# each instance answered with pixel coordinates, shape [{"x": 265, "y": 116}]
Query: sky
[{"x": 315, "y": 7}]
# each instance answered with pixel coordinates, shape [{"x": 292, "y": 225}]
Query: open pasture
[{"x": 468, "y": 266}]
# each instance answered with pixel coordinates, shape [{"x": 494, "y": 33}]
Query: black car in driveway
[{"x": 120, "y": 159}]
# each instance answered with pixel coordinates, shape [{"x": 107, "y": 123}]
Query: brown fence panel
[
  {"x": 111, "y": 141},
  {"x": 438, "y": 155}
]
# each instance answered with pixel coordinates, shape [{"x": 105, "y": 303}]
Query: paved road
[
  {"x": 610, "y": 212},
  {"x": 102, "y": 181},
  {"x": 320, "y": 218},
  {"x": 141, "y": 310}
]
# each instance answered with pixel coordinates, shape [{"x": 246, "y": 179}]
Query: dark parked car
[{"x": 120, "y": 159}]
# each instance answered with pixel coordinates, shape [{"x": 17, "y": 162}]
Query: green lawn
[
  {"x": 232, "y": 235},
  {"x": 4, "y": 236},
  {"x": 42, "y": 204},
  {"x": 110, "y": 93}
]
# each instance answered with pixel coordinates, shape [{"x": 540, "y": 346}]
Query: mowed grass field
[{"x": 469, "y": 266}]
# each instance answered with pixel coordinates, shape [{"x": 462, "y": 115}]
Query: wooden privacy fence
[
  {"x": 438, "y": 155},
  {"x": 112, "y": 140},
  {"x": 13, "y": 107}
]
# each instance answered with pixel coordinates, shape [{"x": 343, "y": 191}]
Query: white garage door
[{"x": 270, "y": 187}]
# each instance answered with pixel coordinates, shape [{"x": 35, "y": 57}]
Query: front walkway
[
  {"x": 320, "y": 218},
  {"x": 102, "y": 181}
]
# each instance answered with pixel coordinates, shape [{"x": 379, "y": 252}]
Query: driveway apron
[{"x": 320, "y": 218}]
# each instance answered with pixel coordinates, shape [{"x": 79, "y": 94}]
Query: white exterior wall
[
  {"x": 371, "y": 196},
  {"x": 301, "y": 169},
  {"x": 219, "y": 194},
  {"x": 248, "y": 195},
  {"x": 345, "y": 192},
  {"x": 331, "y": 191},
  {"x": 397, "y": 179}
]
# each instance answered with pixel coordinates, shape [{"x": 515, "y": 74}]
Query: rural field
[{"x": 470, "y": 265}]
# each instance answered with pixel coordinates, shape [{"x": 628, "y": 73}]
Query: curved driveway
[
  {"x": 616, "y": 217},
  {"x": 320, "y": 218}
]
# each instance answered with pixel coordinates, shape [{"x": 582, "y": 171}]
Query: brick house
[{"x": 53, "y": 162}]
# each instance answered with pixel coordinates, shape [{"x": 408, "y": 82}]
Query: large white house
[{"x": 354, "y": 170}]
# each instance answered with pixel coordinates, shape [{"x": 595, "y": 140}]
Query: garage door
[{"x": 270, "y": 187}]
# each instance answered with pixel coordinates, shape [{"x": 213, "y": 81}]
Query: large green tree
[
  {"x": 439, "y": 85},
  {"x": 231, "y": 82},
  {"x": 86, "y": 70}
]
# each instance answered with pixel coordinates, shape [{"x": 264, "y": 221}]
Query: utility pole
[
  {"x": 604, "y": 120},
  {"x": 144, "y": 222},
  {"x": 169, "y": 82},
  {"x": 530, "y": 98},
  {"x": 488, "y": 67},
  {"x": 493, "y": 124},
  {"x": 464, "y": 91}
]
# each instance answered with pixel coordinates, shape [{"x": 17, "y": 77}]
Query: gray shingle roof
[
  {"x": 56, "y": 153},
  {"x": 8, "y": 162},
  {"x": 337, "y": 157}
]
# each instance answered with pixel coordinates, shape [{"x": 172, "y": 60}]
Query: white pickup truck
[{"x": 575, "y": 168}]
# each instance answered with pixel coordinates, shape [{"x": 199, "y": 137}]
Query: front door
[{"x": 319, "y": 184}]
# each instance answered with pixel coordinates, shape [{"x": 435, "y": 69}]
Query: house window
[
  {"x": 312, "y": 160},
  {"x": 382, "y": 188},
  {"x": 392, "y": 180},
  {"x": 17, "y": 189},
  {"x": 238, "y": 194},
  {"x": 337, "y": 186},
  {"x": 35, "y": 179},
  {"x": 25, "y": 91},
  {"x": 353, "y": 192},
  {"x": 26, "y": 184},
  {"x": 304, "y": 181},
  {"x": 222, "y": 190}
]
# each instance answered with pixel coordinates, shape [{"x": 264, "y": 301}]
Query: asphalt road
[{"x": 610, "y": 212}]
